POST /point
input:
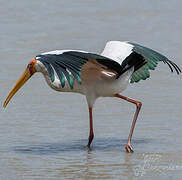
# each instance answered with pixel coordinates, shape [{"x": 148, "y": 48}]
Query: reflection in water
[
  {"x": 104, "y": 158},
  {"x": 129, "y": 171}
]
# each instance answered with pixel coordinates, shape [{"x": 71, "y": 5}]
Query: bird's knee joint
[{"x": 139, "y": 104}]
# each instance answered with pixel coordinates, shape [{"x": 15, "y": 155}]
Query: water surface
[{"x": 43, "y": 133}]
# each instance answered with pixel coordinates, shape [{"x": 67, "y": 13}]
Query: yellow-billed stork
[{"x": 94, "y": 75}]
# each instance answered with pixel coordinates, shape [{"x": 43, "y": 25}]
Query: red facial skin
[{"x": 31, "y": 66}]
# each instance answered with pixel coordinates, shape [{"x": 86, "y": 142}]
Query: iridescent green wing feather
[
  {"x": 152, "y": 58},
  {"x": 65, "y": 66},
  {"x": 68, "y": 64}
]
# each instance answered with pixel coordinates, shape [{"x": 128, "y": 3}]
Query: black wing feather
[
  {"x": 151, "y": 58},
  {"x": 69, "y": 64}
]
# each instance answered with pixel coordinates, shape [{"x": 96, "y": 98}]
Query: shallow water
[{"x": 43, "y": 133}]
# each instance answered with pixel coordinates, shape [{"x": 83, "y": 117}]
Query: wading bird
[{"x": 94, "y": 75}]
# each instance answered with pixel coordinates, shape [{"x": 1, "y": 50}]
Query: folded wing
[{"x": 68, "y": 65}]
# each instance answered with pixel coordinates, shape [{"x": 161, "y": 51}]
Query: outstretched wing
[
  {"x": 134, "y": 55},
  {"x": 68, "y": 64},
  {"x": 152, "y": 57}
]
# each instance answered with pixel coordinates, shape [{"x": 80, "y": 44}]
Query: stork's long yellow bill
[{"x": 25, "y": 76}]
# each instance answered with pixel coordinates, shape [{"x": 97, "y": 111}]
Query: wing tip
[{"x": 172, "y": 66}]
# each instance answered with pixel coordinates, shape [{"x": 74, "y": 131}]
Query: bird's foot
[
  {"x": 129, "y": 148},
  {"x": 88, "y": 146},
  {"x": 90, "y": 140}
]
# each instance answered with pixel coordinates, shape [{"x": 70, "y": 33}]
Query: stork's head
[{"x": 29, "y": 71}]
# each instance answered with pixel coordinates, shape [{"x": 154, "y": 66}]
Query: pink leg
[
  {"x": 138, "y": 107},
  {"x": 91, "y": 135}
]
